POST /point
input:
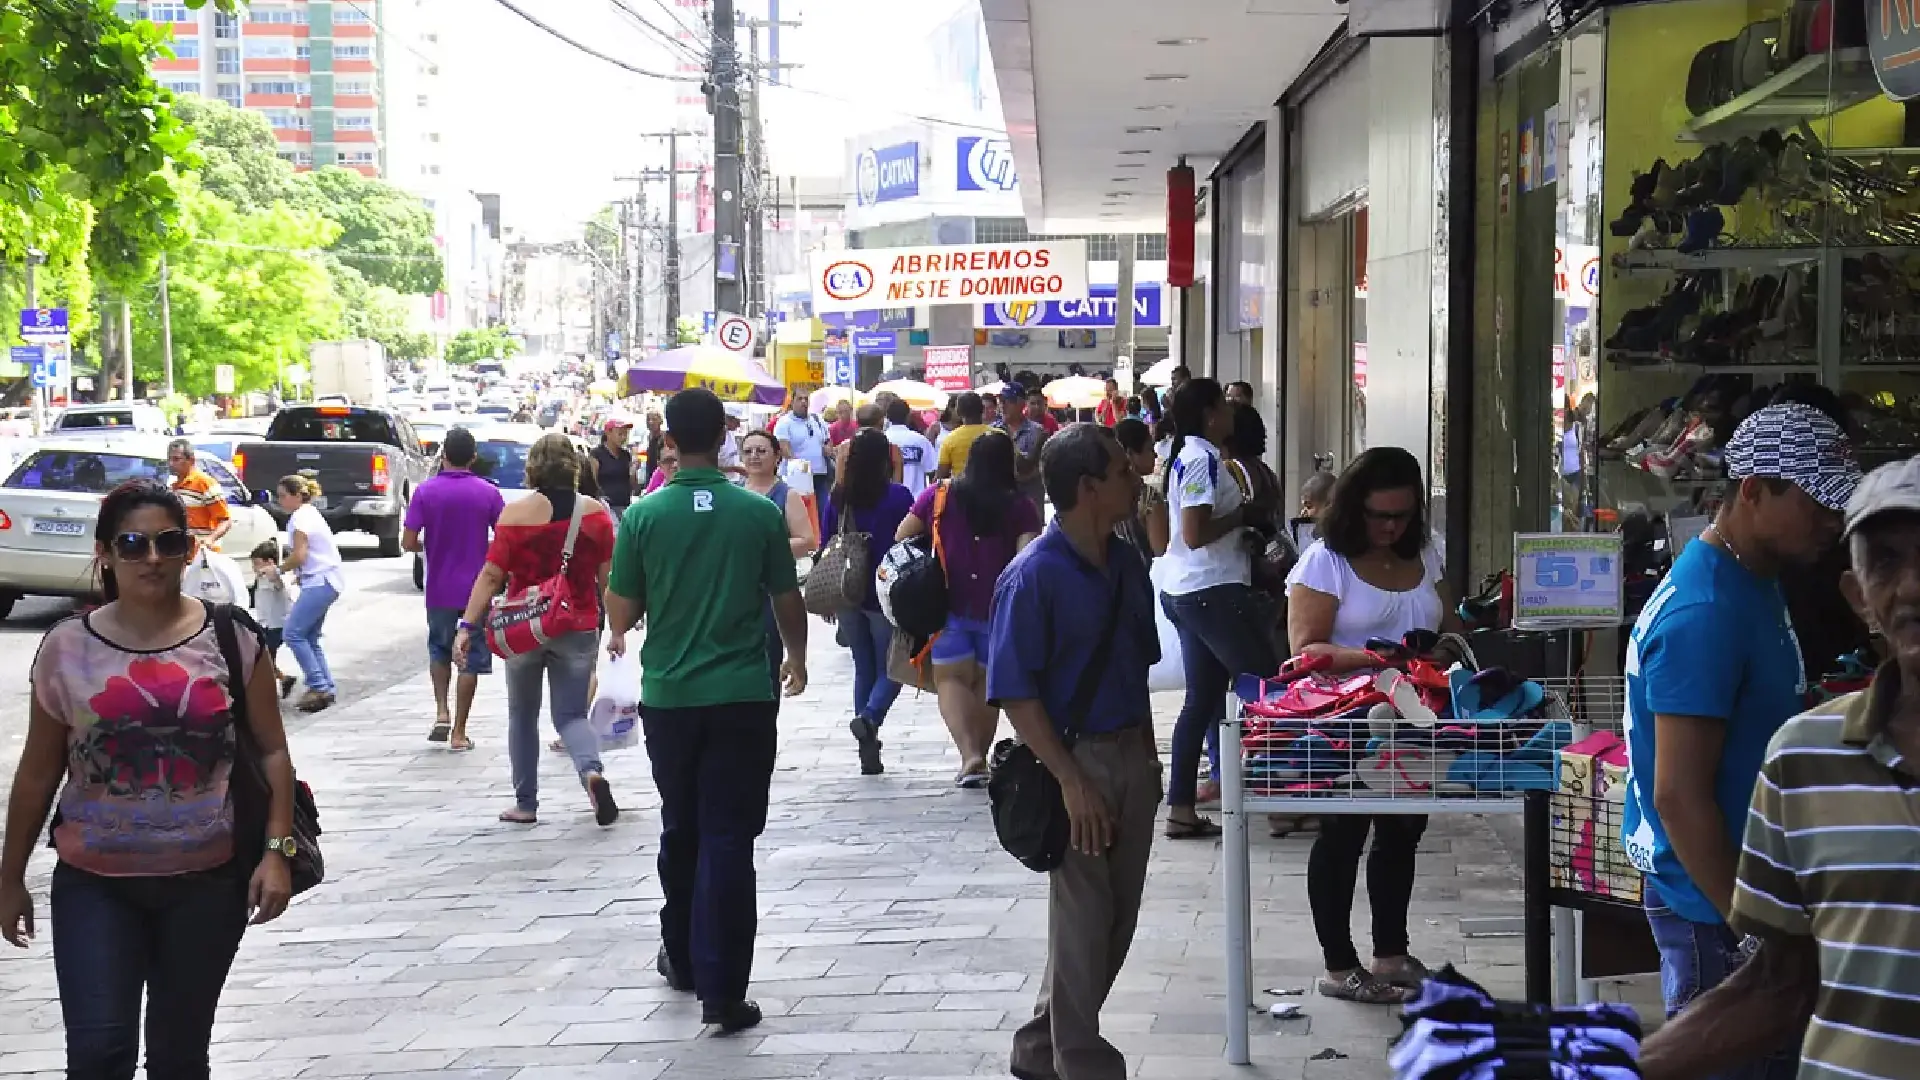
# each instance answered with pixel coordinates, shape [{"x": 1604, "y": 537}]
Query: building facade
[{"x": 311, "y": 67}]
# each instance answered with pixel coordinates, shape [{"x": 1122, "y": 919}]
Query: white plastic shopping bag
[
  {"x": 615, "y": 713},
  {"x": 214, "y": 578},
  {"x": 1170, "y": 673}
]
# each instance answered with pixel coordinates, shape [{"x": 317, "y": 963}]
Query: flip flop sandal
[
  {"x": 441, "y": 729},
  {"x": 460, "y": 745},
  {"x": 1197, "y": 829},
  {"x": 1405, "y": 696},
  {"x": 971, "y": 779},
  {"x": 1362, "y": 988}
]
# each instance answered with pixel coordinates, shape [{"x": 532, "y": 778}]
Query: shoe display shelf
[{"x": 1812, "y": 87}]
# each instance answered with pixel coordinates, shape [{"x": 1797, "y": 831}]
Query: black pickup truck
[{"x": 368, "y": 463}]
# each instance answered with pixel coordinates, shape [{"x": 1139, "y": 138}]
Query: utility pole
[
  {"x": 642, "y": 223},
  {"x": 126, "y": 351},
  {"x": 623, "y": 294},
  {"x": 755, "y": 189},
  {"x": 166, "y": 323},
  {"x": 728, "y": 226},
  {"x": 637, "y": 310},
  {"x": 34, "y": 258},
  {"x": 672, "y": 336},
  {"x": 1123, "y": 315}
]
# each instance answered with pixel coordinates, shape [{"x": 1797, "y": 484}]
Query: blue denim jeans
[
  {"x": 1224, "y": 632},
  {"x": 1695, "y": 958},
  {"x": 171, "y": 939},
  {"x": 563, "y": 667},
  {"x": 868, "y": 634},
  {"x": 304, "y": 623}
]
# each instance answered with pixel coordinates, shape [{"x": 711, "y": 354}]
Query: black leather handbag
[
  {"x": 1029, "y": 812},
  {"x": 249, "y": 787}
]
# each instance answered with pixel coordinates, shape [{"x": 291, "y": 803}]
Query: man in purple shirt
[{"x": 457, "y": 510}]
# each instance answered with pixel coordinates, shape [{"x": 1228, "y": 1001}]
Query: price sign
[{"x": 1567, "y": 580}]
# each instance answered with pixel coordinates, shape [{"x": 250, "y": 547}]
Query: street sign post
[
  {"x": 223, "y": 378},
  {"x": 839, "y": 367},
  {"x": 733, "y": 333},
  {"x": 40, "y": 323}
]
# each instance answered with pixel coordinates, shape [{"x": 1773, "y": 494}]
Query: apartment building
[{"x": 311, "y": 67}]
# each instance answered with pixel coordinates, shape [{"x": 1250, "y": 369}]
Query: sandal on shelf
[
  {"x": 517, "y": 816},
  {"x": 441, "y": 729},
  {"x": 1197, "y": 829},
  {"x": 1362, "y": 988}
]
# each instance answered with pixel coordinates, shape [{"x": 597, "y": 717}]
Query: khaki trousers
[{"x": 1093, "y": 906}]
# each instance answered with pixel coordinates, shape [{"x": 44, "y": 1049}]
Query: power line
[
  {"x": 934, "y": 120},
  {"x": 673, "y": 44},
  {"x": 595, "y": 53},
  {"x": 384, "y": 33},
  {"x": 695, "y": 33}
]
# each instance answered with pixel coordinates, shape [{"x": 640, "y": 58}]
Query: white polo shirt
[{"x": 1200, "y": 478}]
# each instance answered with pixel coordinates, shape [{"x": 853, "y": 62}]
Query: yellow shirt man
[{"x": 955, "y": 448}]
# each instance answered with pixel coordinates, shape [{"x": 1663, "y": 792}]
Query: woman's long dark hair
[
  {"x": 868, "y": 472},
  {"x": 1188, "y": 414},
  {"x": 987, "y": 488},
  {"x": 115, "y": 507},
  {"x": 1343, "y": 524}
]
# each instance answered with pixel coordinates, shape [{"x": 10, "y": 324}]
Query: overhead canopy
[{"x": 1084, "y": 81}]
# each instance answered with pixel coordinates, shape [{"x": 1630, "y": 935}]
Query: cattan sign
[{"x": 1038, "y": 271}]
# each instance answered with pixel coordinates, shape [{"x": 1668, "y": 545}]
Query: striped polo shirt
[{"x": 1832, "y": 851}]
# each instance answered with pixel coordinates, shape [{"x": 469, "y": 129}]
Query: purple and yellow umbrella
[{"x": 731, "y": 376}]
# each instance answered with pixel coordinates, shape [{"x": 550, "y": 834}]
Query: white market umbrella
[
  {"x": 828, "y": 396},
  {"x": 1160, "y": 374},
  {"x": 992, "y": 389},
  {"x": 1075, "y": 392},
  {"x": 916, "y": 394}
]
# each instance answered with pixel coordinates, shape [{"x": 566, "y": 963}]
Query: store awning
[{"x": 1102, "y": 97}]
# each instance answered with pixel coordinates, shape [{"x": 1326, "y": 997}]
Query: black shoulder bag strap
[{"x": 1089, "y": 683}]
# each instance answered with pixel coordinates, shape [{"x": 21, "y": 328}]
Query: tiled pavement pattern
[{"x": 896, "y": 940}]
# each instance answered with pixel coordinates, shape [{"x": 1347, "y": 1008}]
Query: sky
[{"x": 548, "y": 127}]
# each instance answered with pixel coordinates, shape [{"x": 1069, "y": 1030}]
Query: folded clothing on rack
[{"x": 1457, "y": 1031}]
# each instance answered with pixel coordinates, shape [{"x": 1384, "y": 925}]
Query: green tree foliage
[
  {"x": 82, "y": 118},
  {"x": 488, "y": 343},
  {"x": 385, "y": 233},
  {"x": 686, "y": 331},
  {"x": 377, "y": 312},
  {"x": 239, "y": 156},
  {"x": 245, "y": 292}
]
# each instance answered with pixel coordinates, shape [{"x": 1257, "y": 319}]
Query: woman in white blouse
[{"x": 1374, "y": 573}]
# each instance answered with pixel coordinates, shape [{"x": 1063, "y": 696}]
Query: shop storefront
[{"x": 1683, "y": 207}]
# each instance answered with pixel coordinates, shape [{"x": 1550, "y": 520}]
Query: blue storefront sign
[
  {"x": 876, "y": 342},
  {"x": 879, "y": 319},
  {"x": 984, "y": 164},
  {"x": 43, "y": 322},
  {"x": 1096, "y": 312},
  {"x": 886, "y": 174}
]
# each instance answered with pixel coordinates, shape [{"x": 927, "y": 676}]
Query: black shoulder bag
[
  {"x": 248, "y": 787},
  {"x": 1029, "y": 812}
]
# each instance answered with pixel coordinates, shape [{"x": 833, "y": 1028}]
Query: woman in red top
[{"x": 527, "y": 545}]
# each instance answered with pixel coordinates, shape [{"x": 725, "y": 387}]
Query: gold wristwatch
[{"x": 283, "y": 845}]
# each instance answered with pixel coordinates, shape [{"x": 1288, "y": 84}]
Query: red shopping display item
[{"x": 1317, "y": 695}]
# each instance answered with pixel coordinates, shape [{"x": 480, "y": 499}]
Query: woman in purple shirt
[
  {"x": 983, "y": 524},
  {"x": 865, "y": 489}
]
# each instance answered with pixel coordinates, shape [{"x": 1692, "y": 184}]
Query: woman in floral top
[{"x": 151, "y": 892}]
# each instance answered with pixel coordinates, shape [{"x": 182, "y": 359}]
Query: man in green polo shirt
[{"x": 699, "y": 558}]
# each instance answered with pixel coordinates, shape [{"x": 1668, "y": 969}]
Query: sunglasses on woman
[{"x": 167, "y": 544}]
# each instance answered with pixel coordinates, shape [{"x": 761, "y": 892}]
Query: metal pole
[
  {"x": 126, "y": 351},
  {"x": 673, "y": 242},
  {"x": 756, "y": 224},
  {"x": 1234, "y": 857},
  {"x": 39, "y": 395},
  {"x": 727, "y": 220},
  {"x": 1123, "y": 314},
  {"x": 166, "y": 323},
  {"x": 639, "y": 324}
]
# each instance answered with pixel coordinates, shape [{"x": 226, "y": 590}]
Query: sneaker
[
  {"x": 867, "y": 735},
  {"x": 287, "y": 683},
  {"x": 731, "y": 1017}
]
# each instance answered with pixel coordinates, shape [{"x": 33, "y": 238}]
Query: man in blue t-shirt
[{"x": 1713, "y": 670}]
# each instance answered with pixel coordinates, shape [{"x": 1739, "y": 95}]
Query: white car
[
  {"x": 115, "y": 416},
  {"x": 500, "y": 455},
  {"x": 50, "y": 503}
]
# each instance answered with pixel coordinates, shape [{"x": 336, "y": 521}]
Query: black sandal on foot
[
  {"x": 441, "y": 729},
  {"x": 604, "y": 810},
  {"x": 1197, "y": 829}
]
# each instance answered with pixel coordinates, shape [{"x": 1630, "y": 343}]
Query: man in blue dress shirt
[{"x": 1051, "y": 609}]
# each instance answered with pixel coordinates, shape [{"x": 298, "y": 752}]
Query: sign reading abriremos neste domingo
[{"x": 1039, "y": 271}]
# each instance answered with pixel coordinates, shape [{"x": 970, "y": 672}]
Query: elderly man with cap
[
  {"x": 1028, "y": 437},
  {"x": 729, "y": 456},
  {"x": 1713, "y": 671},
  {"x": 613, "y": 464},
  {"x": 1831, "y": 862}
]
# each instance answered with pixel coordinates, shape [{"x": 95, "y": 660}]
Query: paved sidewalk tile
[{"x": 897, "y": 940}]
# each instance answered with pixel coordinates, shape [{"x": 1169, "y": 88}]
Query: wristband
[{"x": 472, "y": 628}]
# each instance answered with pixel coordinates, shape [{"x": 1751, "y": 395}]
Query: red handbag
[{"x": 518, "y": 623}]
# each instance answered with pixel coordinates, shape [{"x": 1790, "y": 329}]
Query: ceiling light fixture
[
  {"x": 1129, "y": 164},
  {"x": 1164, "y": 77},
  {"x": 1145, "y": 129},
  {"x": 1179, "y": 42},
  {"x": 1119, "y": 195},
  {"x": 1136, "y": 152},
  {"x": 1151, "y": 108}
]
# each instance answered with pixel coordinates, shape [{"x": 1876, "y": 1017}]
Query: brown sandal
[
  {"x": 1363, "y": 988},
  {"x": 517, "y": 816},
  {"x": 1198, "y": 829}
]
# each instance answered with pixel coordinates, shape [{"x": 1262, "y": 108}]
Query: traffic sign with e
[{"x": 734, "y": 334}]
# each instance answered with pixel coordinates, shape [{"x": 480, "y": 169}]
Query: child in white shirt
[{"x": 271, "y": 603}]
